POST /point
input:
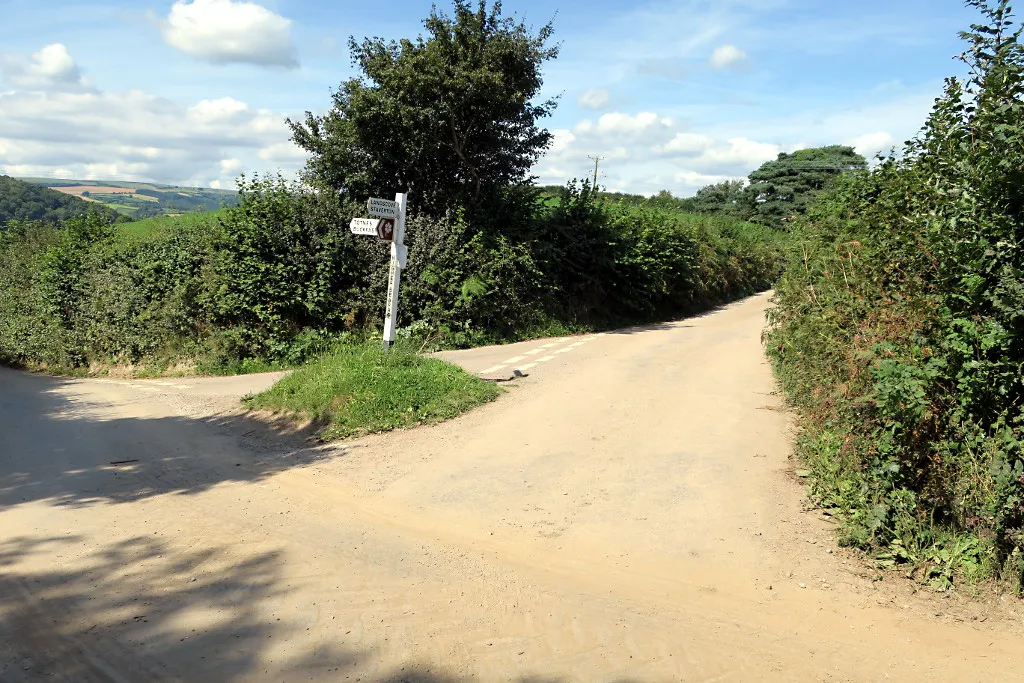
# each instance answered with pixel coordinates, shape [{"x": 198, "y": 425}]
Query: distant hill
[
  {"x": 24, "y": 201},
  {"x": 142, "y": 200}
]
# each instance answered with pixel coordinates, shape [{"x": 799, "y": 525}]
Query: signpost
[
  {"x": 363, "y": 226},
  {"x": 388, "y": 224},
  {"x": 382, "y": 208}
]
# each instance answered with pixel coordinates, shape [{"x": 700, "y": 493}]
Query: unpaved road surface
[{"x": 625, "y": 512}]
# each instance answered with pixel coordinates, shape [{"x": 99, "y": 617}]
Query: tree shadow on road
[
  {"x": 142, "y": 610},
  {"x": 119, "y": 613},
  {"x": 55, "y": 446}
]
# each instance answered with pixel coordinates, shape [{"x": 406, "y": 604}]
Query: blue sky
[{"x": 674, "y": 94}]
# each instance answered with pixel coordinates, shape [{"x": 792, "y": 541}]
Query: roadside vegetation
[
  {"x": 899, "y": 333},
  {"x": 357, "y": 389}
]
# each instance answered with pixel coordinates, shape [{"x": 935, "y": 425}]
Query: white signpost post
[{"x": 388, "y": 223}]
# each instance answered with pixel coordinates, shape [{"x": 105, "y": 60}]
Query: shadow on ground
[
  {"x": 118, "y": 616},
  {"x": 87, "y": 609},
  {"x": 54, "y": 446}
]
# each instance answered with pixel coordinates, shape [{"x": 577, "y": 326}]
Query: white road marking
[
  {"x": 545, "y": 359},
  {"x": 514, "y": 360},
  {"x": 490, "y": 370},
  {"x": 565, "y": 350},
  {"x": 526, "y": 367},
  {"x": 579, "y": 343},
  {"x": 534, "y": 352}
]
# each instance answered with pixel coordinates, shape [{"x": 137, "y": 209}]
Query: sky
[{"x": 671, "y": 94}]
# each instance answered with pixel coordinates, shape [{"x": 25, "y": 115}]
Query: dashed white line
[
  {"x": 490, "y": 370},
  {"x": 514, "y": 360},
  {"x": 526, "y": 367},
  {"x": 565, "y": 350},
  {"x": 545, "y": 359}
]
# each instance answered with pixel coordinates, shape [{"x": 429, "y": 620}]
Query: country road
[{"x": 624, "y": 512}]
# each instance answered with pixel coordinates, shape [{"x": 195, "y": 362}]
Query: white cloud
[
  {"x": 226, "y": 31},
  {"x": 647, "y": 152},
  {"x": 741, "y": 153},
  {"x": 616, "y": 123},
  {"x": 687, "y": 144},
  {"x": 727, "y": 56},
  {"x": 230, "y": 166},
  {"x": 561, "y": 141},
  {"x": 221, "y": 110},
  {"x": 135, "y": 135},
  {"x": 283, "y": 154},
  {"x": 595, "y": 98},
  {"x": 873, "y": 143},
  {"x": 52, "y": 68}
]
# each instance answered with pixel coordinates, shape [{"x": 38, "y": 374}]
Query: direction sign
[
  {"x": 363, "y": 226},
  {"x": 382, "y": 208},
  {"x": 386, "y": 229}
]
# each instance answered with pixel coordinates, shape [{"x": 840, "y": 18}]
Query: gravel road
[{"x": 625, "y": 512}]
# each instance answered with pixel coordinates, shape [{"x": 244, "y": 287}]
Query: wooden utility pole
[{"x": 596, "y": 160}]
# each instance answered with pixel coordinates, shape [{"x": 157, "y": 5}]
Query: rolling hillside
[{"x": 141, "y": 200}]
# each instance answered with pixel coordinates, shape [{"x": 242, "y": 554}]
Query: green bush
[
  {"x": 899, "y": 331},
  {"x": 279, "y": 278}
]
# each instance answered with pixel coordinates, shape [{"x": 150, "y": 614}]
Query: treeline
[
  {"x": 899, "y": 332},
  {"x": 24, "y": 201},
  {"x": 777, "y": 193}
]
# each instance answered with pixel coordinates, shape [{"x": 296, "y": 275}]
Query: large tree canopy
[
  {"x": 782, "y": 188},
  {"x": 449, "y": 117}
]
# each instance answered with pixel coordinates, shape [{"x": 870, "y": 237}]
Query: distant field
[
  {"x": 142, "y": 200},
  {"x": 79, "y": 190},
  {"x": 148, "y": 226}
]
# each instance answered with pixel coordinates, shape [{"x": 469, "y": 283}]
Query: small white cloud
[
  {"x": 214, "y": 111},
  {"x": 226, "y": 31},
  {"x": 561, "y": 139},
  {"x": 230, "y": 166},
  {"x": 873, "y": 143},
  {"x": 286, "y": 153},
  {"x": 727, "y": 56},
  {"x": 617, "y": 123},
  {"x": 743, "y": 153},
  {"x": 687, "y": 144},
  {"x": 595, "y": 98},
  {"x": 52, "y": 68}
]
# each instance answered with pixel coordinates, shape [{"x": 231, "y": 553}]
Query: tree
[
  {"x": 450, "y": 118},
  {"x": 726, "y": 198},
  {"x": 781, "y": 189},
  {"x": 20, "y": 200}
]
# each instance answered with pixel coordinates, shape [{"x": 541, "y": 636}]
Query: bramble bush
[{"x": 899, "y": 331}]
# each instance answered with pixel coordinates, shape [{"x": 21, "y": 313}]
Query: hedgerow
[
  {"x": 279, "y": 277},
  {"x": 899, "y": 332}
]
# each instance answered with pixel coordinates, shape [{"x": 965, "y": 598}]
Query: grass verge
[{"x": 358, "y": 389}]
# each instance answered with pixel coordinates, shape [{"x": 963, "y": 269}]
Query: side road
[{"x": 626, "y": 512}]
